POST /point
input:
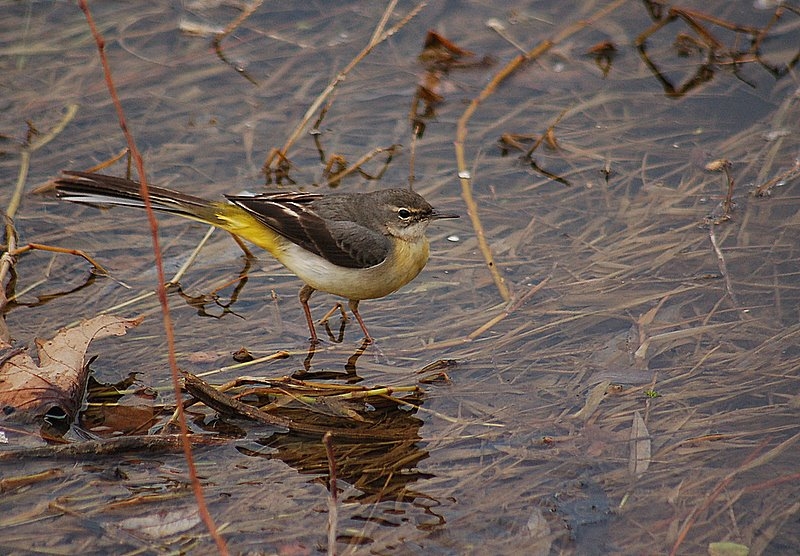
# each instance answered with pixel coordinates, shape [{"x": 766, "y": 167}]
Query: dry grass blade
[
  {"x": 593, "y": 400},
  {"x": 638, "y": 299},
  {"x": 723, "y": 267},
  {"x": 12, "y": 483},
  {"x": 778, "y": 124},
  {"x": 96, "y": 267}
]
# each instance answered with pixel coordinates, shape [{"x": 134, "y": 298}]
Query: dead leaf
[
  {"x": 640, "y": 446},
  {"x": 163, "y": 524},
  {"x": 540, "y": 533},
  {"x": 59, "y": 379},
  {"x": 597, "y": 394}
]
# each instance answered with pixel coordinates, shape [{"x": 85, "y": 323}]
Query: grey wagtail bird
[{"x": 354, "y": 245}]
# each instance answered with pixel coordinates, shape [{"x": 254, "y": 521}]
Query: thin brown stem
[{"x": 161, "y": 287}]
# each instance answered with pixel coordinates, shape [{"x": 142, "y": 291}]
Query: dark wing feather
[
  {"x": 341, "y": 242},
  {"x": 359, "y": 244}
]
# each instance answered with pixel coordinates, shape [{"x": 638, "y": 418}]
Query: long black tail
[{"x": 101, "y": 190}]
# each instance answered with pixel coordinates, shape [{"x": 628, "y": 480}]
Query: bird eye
[{"x": 404, "y": 214}]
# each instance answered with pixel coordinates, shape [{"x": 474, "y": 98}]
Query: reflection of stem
[
  {"x": 350, "y": 366},
  {"x": 219, "y": 37},
  {"x": 723, "y": 268},
  {"x": 356, "y": 167},
  {"x": 727, "y": 204},
  {"x": 461, "y": 131},
  {"x": 412, "y": 158},
  {"x": 333, "y": 508}
]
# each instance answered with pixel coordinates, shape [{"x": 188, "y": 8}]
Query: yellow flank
[
  {"x": 238, "y": 221},
  {"x": 405, "y": 261}
]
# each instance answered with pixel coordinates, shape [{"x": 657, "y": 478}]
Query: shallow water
[{"x": 527, "y": 448}]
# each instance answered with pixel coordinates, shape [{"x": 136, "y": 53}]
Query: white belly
[{"x": 402, "y": 265}]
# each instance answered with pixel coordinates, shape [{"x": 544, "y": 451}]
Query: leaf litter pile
[{"x": 621, "y": 302}]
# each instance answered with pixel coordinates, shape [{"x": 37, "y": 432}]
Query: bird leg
[
  {"x": 305, "y": 295},
  {"x": 354, "y": 308}
]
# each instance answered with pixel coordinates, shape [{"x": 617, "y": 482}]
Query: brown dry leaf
[
  {"x": 540, "y": 533},
  {"x": 640, "y": 446},
  {"x": 597, "y": 394},
  {"x": 59, "y": 379}
]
